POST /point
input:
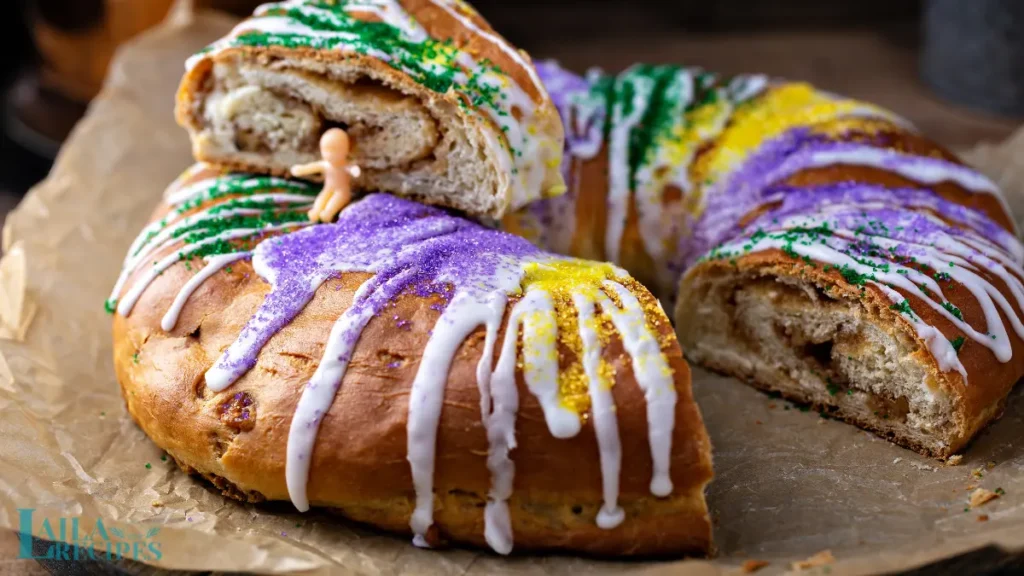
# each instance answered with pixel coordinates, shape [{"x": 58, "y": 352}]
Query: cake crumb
[
  {"x": 990, "y": 465},
  {"x": 753, "y": 565},
  {"x": 157, "y": 504},
  {"x": 820, "y": 559},
  {"x": 758, "y": 422},
  {"x": 897, "y": 460},
  {"x": 978, "y": 472},
  {"x": 920, "y": 466},
  {"x": 983, "y": 518},
  {"x": 980, "y": 496},
  {"x": 971, "y": 487},
  {"x": 954, "y": 460}
]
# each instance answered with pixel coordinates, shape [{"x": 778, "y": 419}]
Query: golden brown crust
[
  {"x": 237, "y": 438},
  {"x": 484, "y": 44},
  {"x": 442, "y": 25},
  {"x": 990, "y": 380},
  {"x": 195, "y": 84},
  {"x": 976, "y": 403}
]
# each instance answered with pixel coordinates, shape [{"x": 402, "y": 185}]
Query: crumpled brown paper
[{"x": 789, "y": 484}]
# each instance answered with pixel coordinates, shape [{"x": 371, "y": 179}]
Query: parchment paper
[{"x": 788, "y": 483}]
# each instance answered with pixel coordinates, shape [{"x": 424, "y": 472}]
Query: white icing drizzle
[
  {"x": 588, "y": 116},
  {"x": 127, "y": 302},
  {"x": 1007, "y": 249},
  {"x": 654, "y": 376},
  {"x": 540, "y": 356},
  {"x": 319, "y": 393},
  {"x": 165, "y": 235},
  {"x": 922, "y": 169},
  {"x": 196, "y": 189},
  {"x": 213, "y": 265},
  {"x": 159, "y": 235},
  {"x": 622, "y": 124},
  {"x": 462, "y": 316},
  {"x": 962, "y": 257},
  {"x": 513, "y": 134},
  {"x": 534, "y": 315},
  {"x": 602, "y": 410},
  {"x": 746, "y": 86},
  {"x": 672, "y": 154},
  {"x": 939, "y": 347},
  {"x": 388, "y": 11},
  {"x": 502, "y": 45},
  {"x": 653, "y": 177},
  {"x": 499, "y": 401}
]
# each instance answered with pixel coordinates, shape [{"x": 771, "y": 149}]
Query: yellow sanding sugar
[
  {"x": 573, "y": 387},
  {"x": 561, "y": 278},
  {"x": 541, "y": 336},
  {"x": 778, "y": 111},
  {"x": 564, "y": 276},
  {"x": 677, "y": 148},
  {"x": 841, "y": 127}
]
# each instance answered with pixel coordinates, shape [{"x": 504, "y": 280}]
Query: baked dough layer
[{"x": 237, "y": 435}]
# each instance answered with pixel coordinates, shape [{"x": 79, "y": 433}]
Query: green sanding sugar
[
  {"x": 957, "y": 343},
  {"x": 953, "y": 310},
  {"x": 903, "y": 308}
]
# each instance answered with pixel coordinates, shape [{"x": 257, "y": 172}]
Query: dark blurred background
[{"x": 954, "y": 67}]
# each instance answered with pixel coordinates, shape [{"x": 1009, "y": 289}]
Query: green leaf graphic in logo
[
  {"x": 152, "y": 532},
  {"x": 116, "y": 531}
]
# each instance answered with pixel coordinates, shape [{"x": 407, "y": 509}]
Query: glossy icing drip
[
  {"x": 474, "y": 274},
  {"x": 217, "y": 232},
  {"x": 651, "y": 120},
  {"x": 603, "y": 413},
  {"x": 902, "y": 242},
  {"x": 741, "y": 192},
  {"x": 383, "y": 30},
  {"x": 754, "y": 138}
]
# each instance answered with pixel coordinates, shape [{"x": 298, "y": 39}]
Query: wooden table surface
[{"x": 870, "y": 65}]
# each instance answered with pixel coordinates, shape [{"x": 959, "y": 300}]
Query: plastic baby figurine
[{"x": 337, "y": 173}]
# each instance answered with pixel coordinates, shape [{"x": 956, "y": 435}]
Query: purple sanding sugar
[
  {"x": 752, "y": 185},
  {"x": 408, "y": 247},
  {"x": 542, "y": 217},
  {"x": 807, "y": 199},
  {"x": 861, "y": 222},
  {"x": 894, "y": 213},
  {"x": 560, "y": 84},
  {"x": 741, "y": 192}
]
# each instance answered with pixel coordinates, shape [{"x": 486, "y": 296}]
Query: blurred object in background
[
  {"x": 972, "y": 56},
  {"x": 77, "y": 38},
  {"x": 237, "y": 7},
  {"x": 537, "y": 24},
  {"x": 973, "y": 53},
  {"x": 74, "y": 41}
]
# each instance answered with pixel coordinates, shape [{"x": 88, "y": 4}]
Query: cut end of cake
[
  {"x": 819, "y": 343},
  {"x": 266, "y": 114}
]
